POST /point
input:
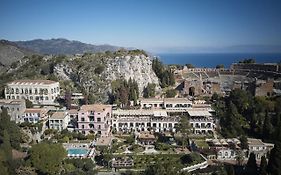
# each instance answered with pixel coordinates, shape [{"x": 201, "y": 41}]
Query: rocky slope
[
  {"x": 11, "y": 52},
  {"x": 63, "y": 46},
  {"x": 95, "y": 72}
]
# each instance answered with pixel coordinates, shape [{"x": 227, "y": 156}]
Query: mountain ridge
[{"x": 57, "y": 46}]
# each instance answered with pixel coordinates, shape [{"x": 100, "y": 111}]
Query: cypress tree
[
  {"x": 263, "y": 165},
  {"x": 251, "y": 167},
  {"x": 267, "y": 128},
  {"x": 274, "y": 163}
]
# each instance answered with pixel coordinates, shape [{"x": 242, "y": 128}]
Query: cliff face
[
  {"x": 95, "y": 72},
  {"x": 137, "y": 67}
]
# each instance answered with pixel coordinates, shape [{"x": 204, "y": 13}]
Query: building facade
[
  {"x": 169, "y": 104},
  {"x": 41, "y": 92},
  {"x": 59, "y": 121},
  {"x": 143, "y": 120},
  {"x": 15, "y": 108},
  {"x": 202, "y": 121},
  {"x": 34, "y": 115},
  {"x": 259, "y": 148},
  {"x": 95, "y": 119}
]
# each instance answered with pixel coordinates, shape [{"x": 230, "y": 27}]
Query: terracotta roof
[
  {"x": 22, "y": 82},
  {"x": 95, "y": 107}
]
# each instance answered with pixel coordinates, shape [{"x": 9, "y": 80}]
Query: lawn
[{"x": 201, "y": 143}]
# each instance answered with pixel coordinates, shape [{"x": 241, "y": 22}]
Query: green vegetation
[
  {"x": 149, "y": 90},
  {"x": 47, "y": 158},
  {"x": 240, "y": 113},
  {"x": 183, "y": 128},
  {"x": 164, "y": 73},
  {"x": 171, "y": 93},
  {"x": 124, "y": 91},
  {"x": 220, "y": 66},
  {"x": 248, "y": 61},
  {"x": 78, "y": 166},
  {"x": 189, "y": 66}
]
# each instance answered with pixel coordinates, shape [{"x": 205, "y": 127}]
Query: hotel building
[
  {"x": 40, "y": 92},
  {"x": 143, "y": 120},
  {"x": 201, "y": 121},
  {"x": 170, "y": 104},
  {"x": 94, "y": 118}
]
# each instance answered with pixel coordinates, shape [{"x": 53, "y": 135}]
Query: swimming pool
[{"x": 77, "y": 151}]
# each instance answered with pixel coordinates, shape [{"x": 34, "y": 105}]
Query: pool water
[{"x": 77, "y": 151}]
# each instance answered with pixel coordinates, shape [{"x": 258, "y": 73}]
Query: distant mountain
[
  {"x": 63, "y": 46},
  {"x": 11, "y": 52}
]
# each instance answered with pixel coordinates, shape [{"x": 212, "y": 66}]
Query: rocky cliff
[{"x": 95, "y": 72}]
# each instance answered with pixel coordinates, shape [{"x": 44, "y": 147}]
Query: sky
[{"x": 154, "y": 25}]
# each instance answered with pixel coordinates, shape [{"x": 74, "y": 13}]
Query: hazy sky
[{"x": 146, "y": 24}]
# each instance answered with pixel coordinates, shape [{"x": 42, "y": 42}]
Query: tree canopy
[{"x": 47, "y": 158}]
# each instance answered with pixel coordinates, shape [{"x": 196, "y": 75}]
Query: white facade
[
  {"x": 202, "y": 122},
  {"x": 41, "y": 92},
  {"x": 59, "y": 121},
  {"x": 143, "y": 120},
  {"x": 34, "y": 115},
  {"x": 15, "y": 108},
  {"x": 226, "y": 154},
  {"x": 259, "y": 148},
  {"x": 170, "y": 104}
]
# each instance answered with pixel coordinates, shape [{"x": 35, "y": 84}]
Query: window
[
  {"x": 35, "y": 91},
  {"x": 98, "y": 119},
  {"x": 46, "y": 98},
  {"x": 99, "y": 126},
  {"x": 31, "y": 98},
  {"x": 30, "y": 91},
  {"x": 82, "y": 119},
  {"x": 26, "y": 91},
  {"x": 17, "y": 90},
  {"x": 82, "y": 126}
]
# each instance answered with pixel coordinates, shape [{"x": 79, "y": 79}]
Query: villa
[
  {"x": 59, "y": 121},
  {"x": 94, "y": 118},
  {"x": 40, "y": 92}
]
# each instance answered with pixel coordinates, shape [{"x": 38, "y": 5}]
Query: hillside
[
  {"x": 64, "y": 46},
  {"x": 89, "y": 73},
  {"x": 11, "y": 52}
]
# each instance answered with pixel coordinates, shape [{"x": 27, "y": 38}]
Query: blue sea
[{"x": 213, "y": 59}]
